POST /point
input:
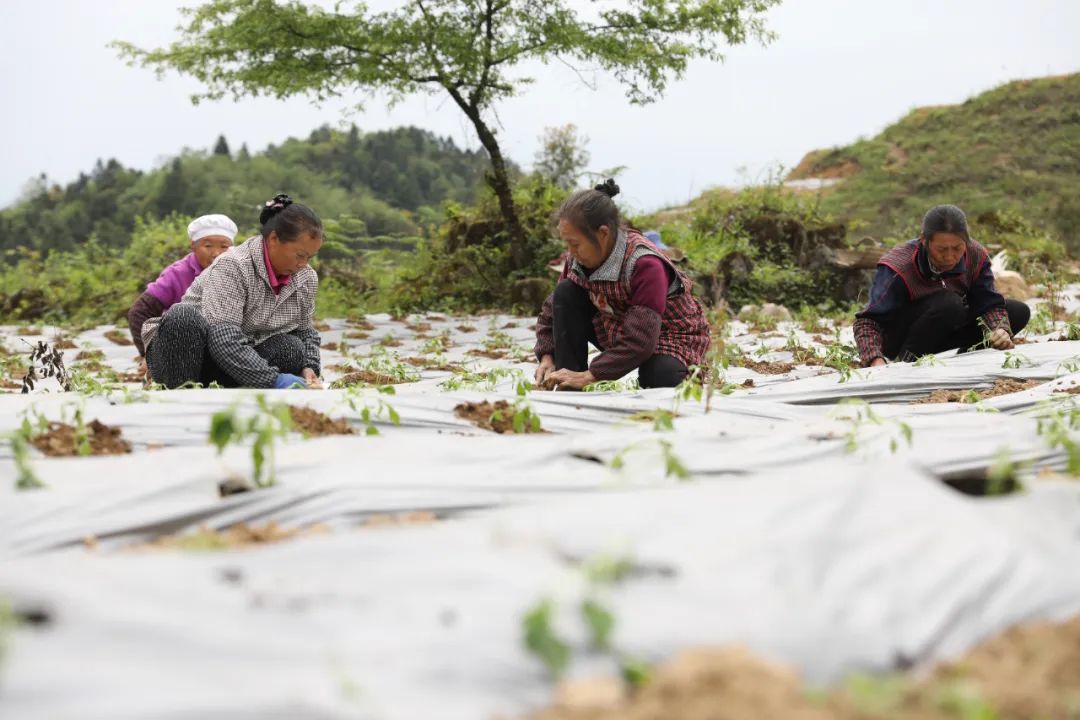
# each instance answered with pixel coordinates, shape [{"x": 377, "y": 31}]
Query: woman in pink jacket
[{"x": 211, "y": 235}]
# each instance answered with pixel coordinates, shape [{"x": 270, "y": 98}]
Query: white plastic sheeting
[{"x": 808, "y": 531}]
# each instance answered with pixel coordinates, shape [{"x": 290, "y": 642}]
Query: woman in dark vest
[
  {"x": 936, "y": 293},
  {"x": 618, "y": 292}
]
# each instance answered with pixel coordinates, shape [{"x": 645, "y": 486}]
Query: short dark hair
[
  {"x": 945, "y": 219},
  {"x": 587, "y": 210},
  {"x": 290, "y": 220}
]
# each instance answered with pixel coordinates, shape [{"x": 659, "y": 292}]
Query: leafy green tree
[
  {"x": 467, "y": 49},
  {"x": 562, "y": 156}
]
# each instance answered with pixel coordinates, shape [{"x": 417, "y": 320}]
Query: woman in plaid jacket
[
  {"x": 247, "y": 321},
  {"x": 936, "y": 293},
  {"x": 618, "y": 292}
]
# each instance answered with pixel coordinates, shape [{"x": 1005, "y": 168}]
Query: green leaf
[
  {"x": 600, "y": 622},
  {"x": 540, "y": 638}
]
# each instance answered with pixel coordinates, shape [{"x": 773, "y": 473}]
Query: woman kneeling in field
[
  {"x": 620, "y": 293},
  {"x": 936, "y": 293},
  {"x": 248, "y": 319}
]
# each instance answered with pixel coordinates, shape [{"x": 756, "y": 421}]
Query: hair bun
[
  {"x": 273, "y": 206},
  {"x": 608, "y": 187}
]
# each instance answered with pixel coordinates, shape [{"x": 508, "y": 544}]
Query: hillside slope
[{"x": 1015, "y": 148}]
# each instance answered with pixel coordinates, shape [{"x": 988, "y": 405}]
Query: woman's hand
[
  {"x": 568, "y": 380},
  {"x": 1000, "y": 340},
  {"x": 547, "y": 366},
  {"x": 311, "y": 379},
  {"x": 877, "y": 362}
]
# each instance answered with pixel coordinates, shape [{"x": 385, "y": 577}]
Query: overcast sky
[{"x": 839, "y": 69}]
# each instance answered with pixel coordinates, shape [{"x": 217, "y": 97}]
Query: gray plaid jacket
[{"x": 235, "y": 297}]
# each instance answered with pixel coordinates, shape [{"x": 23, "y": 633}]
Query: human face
[
  {"x": 292, "y": 257},
  {"x": 208, "y": 248},
  {"x": 945, "y": 249},
  {"x": 588, "y": 254}
]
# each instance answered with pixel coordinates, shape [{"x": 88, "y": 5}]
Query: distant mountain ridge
[{"x": 392, "y": 181}]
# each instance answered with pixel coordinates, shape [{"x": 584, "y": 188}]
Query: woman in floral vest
[
  {"x": 618, "y": 292},
  {"x": 936, "y": 293}
]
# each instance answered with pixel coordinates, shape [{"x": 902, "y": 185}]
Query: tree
[
  {"x": 562, "y": 156},
  {"x": 221, "y": 147},
  {"x": 466, "y": 49}
]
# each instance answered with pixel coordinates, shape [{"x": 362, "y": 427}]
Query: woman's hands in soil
[
  {"x": 547, "y": 366},
  {"x": 1000, "y": 340},
  {"x": 568, "y": 380},
  {"x": 877, "y": 362},
  {"x": 311, "y": 379}
]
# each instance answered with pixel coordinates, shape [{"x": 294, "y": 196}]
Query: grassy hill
[{"x": 1012, "y": 150}]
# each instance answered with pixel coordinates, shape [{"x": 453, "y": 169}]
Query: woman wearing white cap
[{"x": 211, "y": 235}]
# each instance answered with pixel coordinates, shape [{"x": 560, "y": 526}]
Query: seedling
[
  {"x": 1055, "y": 427},
  {"x": 487, "y": 380},
  {"x": 523, "y": 420},
  {"x": 541, "y": 639},
  {"x": 928, "y": 360},
  {"x": 356, "y": 399},
  {"x": 612, "y": 386},
  {"x": 864, "y": 414},
  {"x": 673, "y": 466},
  {"x": 25, "y": 477},
  {"x": 841, "y": 358},
  {"x": 1015, "y": 361},
  {"x": 268, "y": 424},
  {"x": 661, "y": 419}
]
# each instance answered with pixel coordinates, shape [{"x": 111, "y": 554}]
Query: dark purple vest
[{"x": 902, "y": 260}]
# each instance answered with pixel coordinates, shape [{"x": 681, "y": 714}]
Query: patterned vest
[
  {"x": 903, "y": 260},
  {"x": 684, "y": 332}
]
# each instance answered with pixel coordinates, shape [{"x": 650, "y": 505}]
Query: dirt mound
[
  {"x": 491, "y": 354},
  {"x": 415, "y": 517},
  {"x": 766, "y": 367},
  {"x": 367, "y": 377},
  {"x": 316, "y": 424},
  {"x": 118, "y": 336},
  {"x": 362, "y": 324},
  {"x": 238, "y": 536},
  {"x": 62, "y": 440},
  {"x": 1002, "y": 386},
  {"x": 1028, "y": 672},
  {"x": 497, "y": 417}
]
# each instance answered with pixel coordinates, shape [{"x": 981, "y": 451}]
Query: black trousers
[
  {"x": 180, "y": 353},
  {"x": 573, "y": 330},
  {"x": 942, "y": 322}
]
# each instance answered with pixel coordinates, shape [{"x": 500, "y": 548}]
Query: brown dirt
[
  {"x": 390, "y": 342},
  {"x": 238, "y": 536},
  {"x": 90, "y": 355},
  {"x": 1075, "y": 390},
  {"x": 429, "y": 364},
  {"x": 509, "y": 326},
  {"x": 466, "y": 328},
  {"x": 119, "y": 337},
  {"x": 420, "y": 327},
  {"x": 1002, "y": 386},
  {"x": 748, "y": 383},
  {"x": 415, "y": 517},
  {"x": 329, "y": 346},
  {"x": 492, "y": 354},
  {"x": 362, "y": 324},
  {"x": 1027, "y": 672},
  {"x": 813, "y": 166},
  {"x": 367, "y": 377},
  {"x": 64, "y": 343},
  {"x": 322, "y": 327},
  {"x": 357, "y": 335},
  {"x": 766, "y": 367},
  {"x": 316, "y": 424},
  {"x": 436, "y": 318},
  {"x": 481, "y": 415},
  {"x": 59, "y": 440}
]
